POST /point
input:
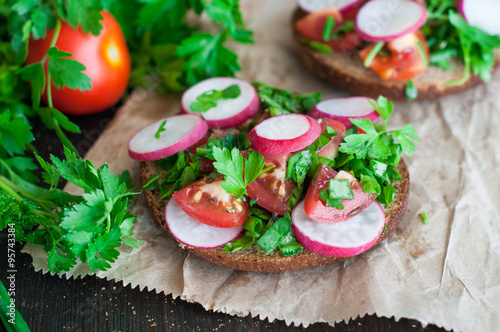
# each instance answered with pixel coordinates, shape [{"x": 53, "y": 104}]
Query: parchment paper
[{"x": 446, "y": 272}]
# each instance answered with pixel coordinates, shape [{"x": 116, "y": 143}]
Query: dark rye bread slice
[
  {"x": 254, "y": 259},
  {"x": 345, "y": 71}
]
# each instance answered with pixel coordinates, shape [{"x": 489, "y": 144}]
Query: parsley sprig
[
  {"x": 374, "y": 155},
  {"x": 88, "y": 227},
  {"x": 450, "y": 36},
  {"x": 239, "y": 171}
]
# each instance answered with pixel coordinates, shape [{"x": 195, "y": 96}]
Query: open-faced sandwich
[
  {"x": 401, "y": 49},
  {"x": 255, "y": 178}
]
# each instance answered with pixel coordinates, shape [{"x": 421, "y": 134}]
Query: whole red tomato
[{"x": 105, "y": 57}]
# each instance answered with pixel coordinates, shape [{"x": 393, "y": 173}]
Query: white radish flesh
[
  {"x": 385, "y": 20},
  {"x": 482, "y": 14},
  {"x": 342, "y": 109},
  {"x": 284, "y": 134},
  {"x": 194, "y": 233},
  {"x": 343, "y": 239},
  {"x": 344, "y": 6},
  {"x": 180, "y": 132},
  {"x": 228, "y": 112}
]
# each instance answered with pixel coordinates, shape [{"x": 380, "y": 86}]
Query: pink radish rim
[
  {"x": 460, "y": 8},
  {"x": 419, "y": 23},
  {"x": 185, "y": 142},
  {"x": 335, "y": 250}
]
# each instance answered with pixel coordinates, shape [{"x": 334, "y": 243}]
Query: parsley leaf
[
  {"x": 373, "y": 156},
  {"x": 230, "y": 164},
  {"x": 209, "y": 99},
  {"x": 67, "y": 72},
  {"x": 86, "y": 14},
  {"x": 205, "y": 56},
  {"x": 227, "y": 13}
]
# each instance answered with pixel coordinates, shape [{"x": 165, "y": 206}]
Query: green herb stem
[
  {"x": 422, "y": 53},
  {"x": 373, "y": 53},
  {"x": 57, "y": 31},
  {"x": 328, "y": 29},
  {"x": 62, "y": 136},
  {"x": 15, "y": 188},
  {"x": 5, "y": 301}
]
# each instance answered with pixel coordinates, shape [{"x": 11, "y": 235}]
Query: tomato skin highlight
[
  {"x": 201, "y": 201},
  {"x": 400, "y": 64},
  {"x": 312, "y": 27},
  {"x": 316, "y": 209},
  {"x": 270, "y": 189},
  {"x": 107, "y": 61}
]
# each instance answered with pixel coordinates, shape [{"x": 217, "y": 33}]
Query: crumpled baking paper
[{"x": 446, "y": 272}]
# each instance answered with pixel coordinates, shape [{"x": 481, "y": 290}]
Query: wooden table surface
[{"x": 51, "y": 303}]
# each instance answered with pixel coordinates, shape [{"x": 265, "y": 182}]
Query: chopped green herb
[
  {"x": 317, "y": 46},
  {"x": 151, "y": 184},
  {"x": 209, "y": 99},
  {"x": 161, "y": 129},
  {"x": 373, "y": 53},
  {"x": 328, "y": 28},
  {"x": 338, "y": 189},
  {"x": 411, "y": 91},
  {"x": 274, "y": 235},
  {"x": 421, "y": 51},
  {"x": 424, "y": 217},
  {"x": 343, "y": 30},
  {"x": 277, "y": 101}
]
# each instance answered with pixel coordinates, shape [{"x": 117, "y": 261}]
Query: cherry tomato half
[
  {"x": 210, "y": 204},
  {"x": 270, "y": 189},
  {"x": 107, "y": 62},
  {"x": 404, "y": 61},
  {"x": 312, "y": 27},
  {"x": 316, "y": 208}
]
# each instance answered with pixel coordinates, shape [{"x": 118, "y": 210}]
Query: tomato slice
[
  {"x": 330, "y": 150},
  {"x": 316, "y": 209},
  {"x": 207, "y": 202},
  {"x": 404, "y": 61},
  {"x": 312, "y": 27},
  {"x": 270, "y": 189}
]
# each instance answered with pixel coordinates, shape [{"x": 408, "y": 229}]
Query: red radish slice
[
  {"x": 194, "y": 233},
  {"x": 284, "y": 134},
  {"x": 344, "y": 6},
  {"x": 228, "y": 112},
  {"x": 180, "y": 132},
  {"x": 342, "y": 109},
  {"x": 343, "y": 239},
  {"x": 385, "y": 20},
  {"x": 482, "y": 14}
]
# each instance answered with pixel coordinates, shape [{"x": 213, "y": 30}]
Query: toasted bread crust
[
  {"x": 345, "y": 70},
  {"x": 254, "y": 259}
]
